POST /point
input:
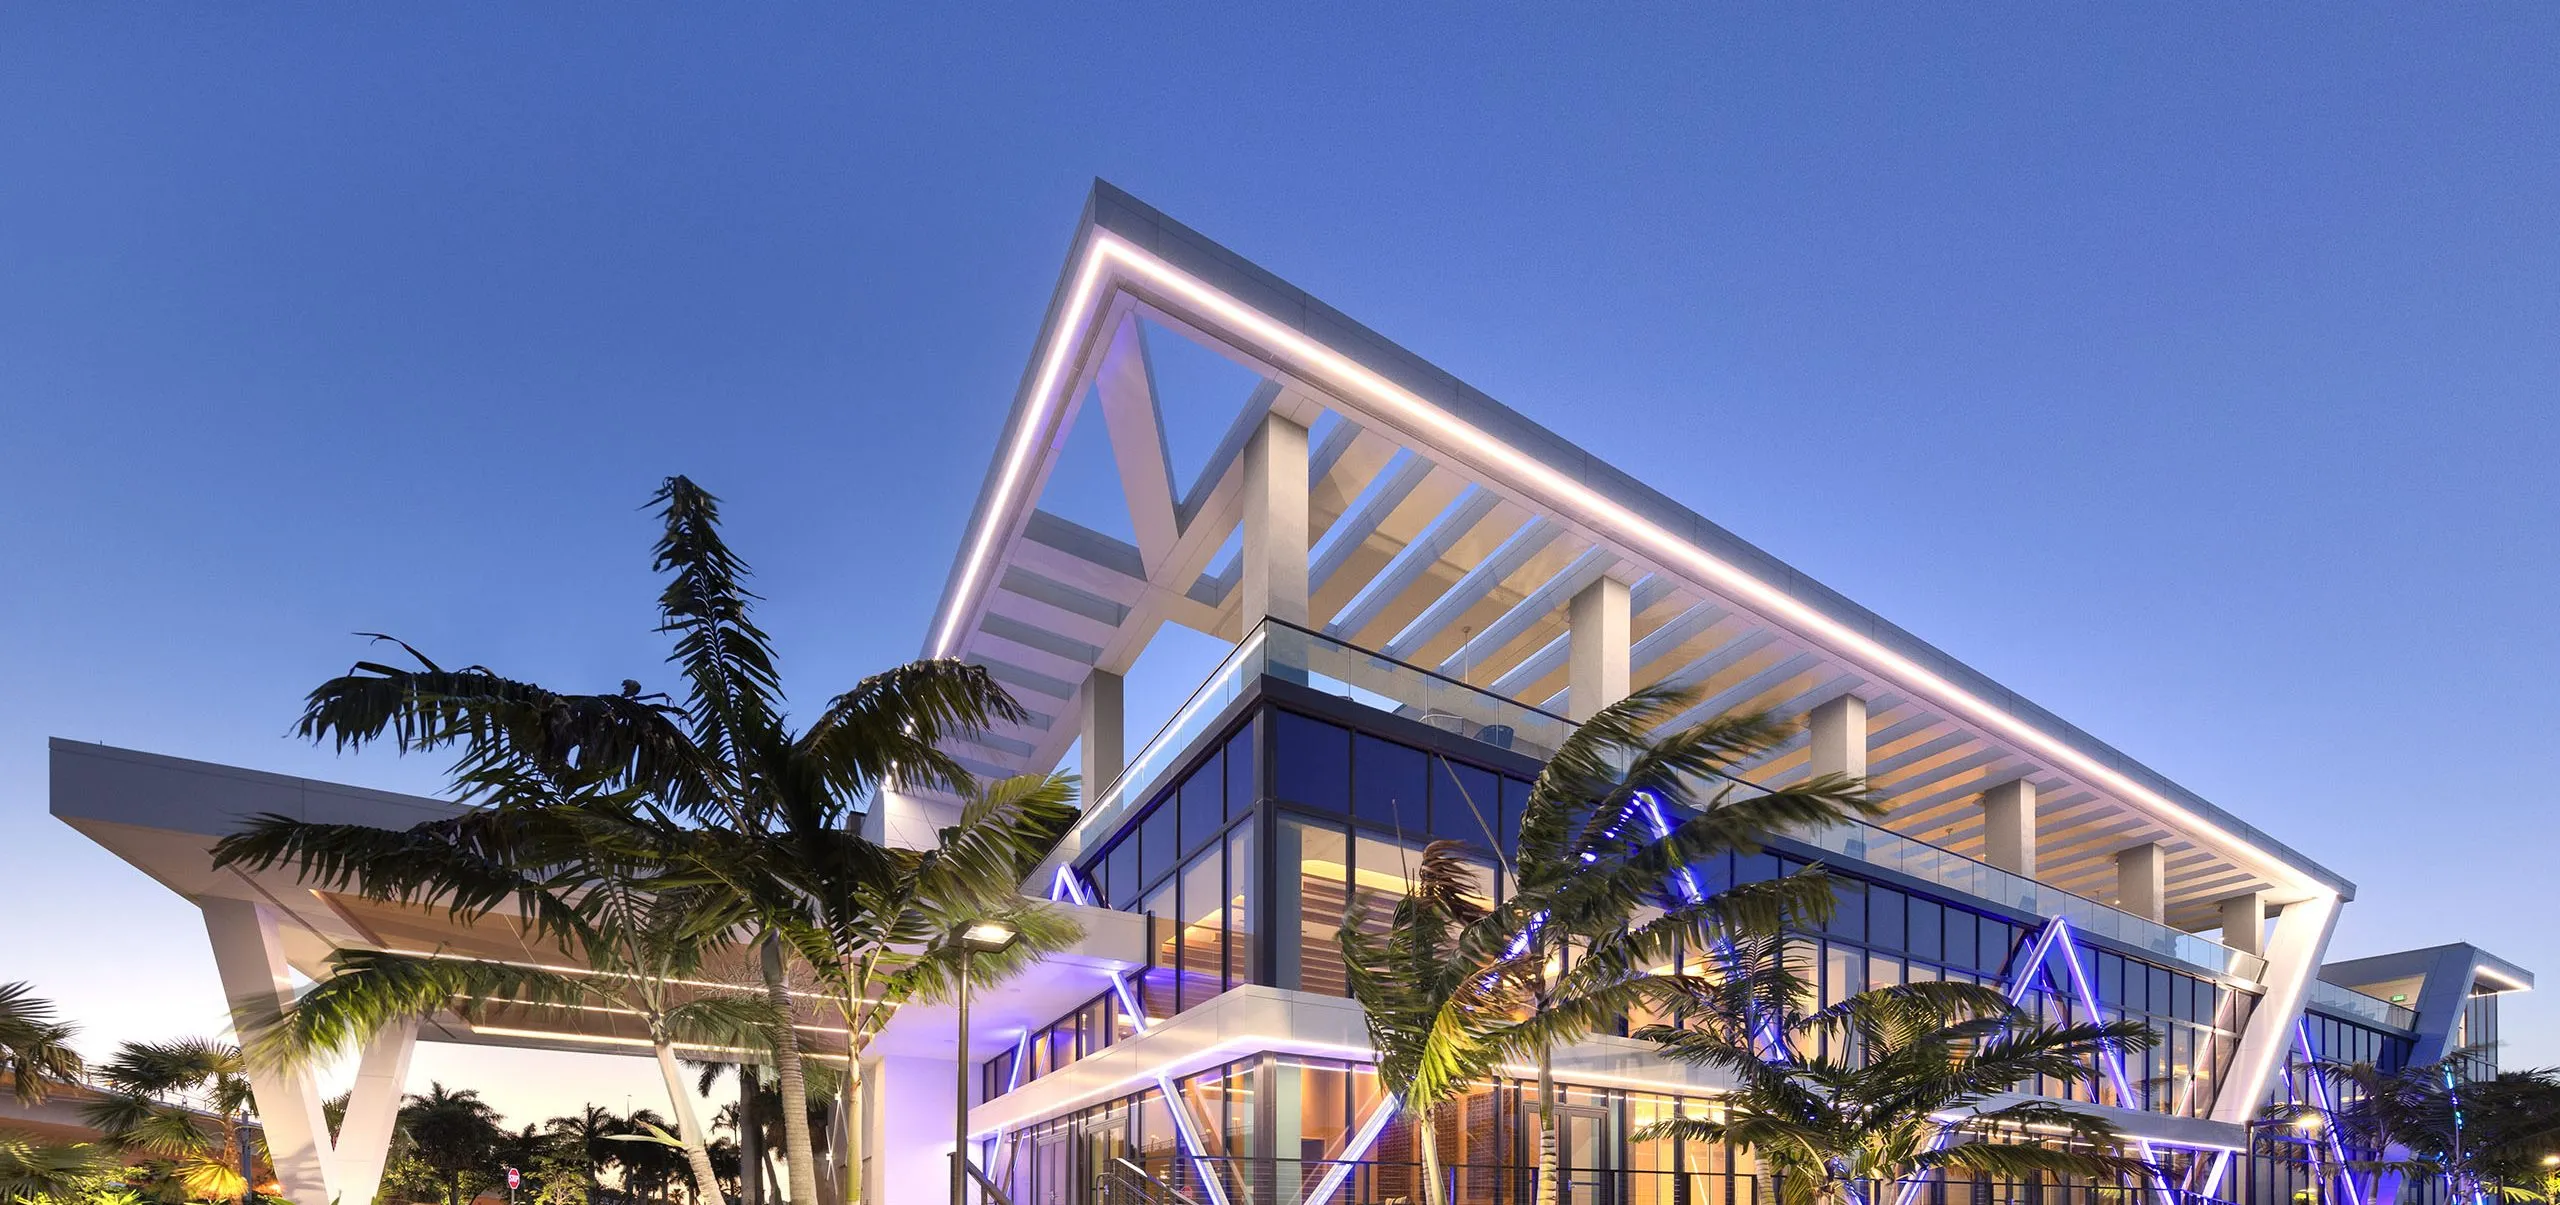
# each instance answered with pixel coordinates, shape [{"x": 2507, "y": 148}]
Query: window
[
  {"x": 1160, "y": 844},
  {"x": 1240, "y": 903},
  {"x": 1848, "y": 909},
  {"x": 1120, "y": 873},
  {"x": 1884, "y": 917},
  {"x": 1466, "y": 805},
  {"x": 1313, "y": 763},
  {"x": 1204, "y": 801},
  {"x": 1309, "y": 906},
  {"x": 1927, "y": 919},
  {"x": 1164, "y": 944},
  {"x": 1390, "y": 785},
  {"x": 1243, "y": 789},
  {"x": 1515, "y": 800},
  {"x": 1204, "y": 914}
]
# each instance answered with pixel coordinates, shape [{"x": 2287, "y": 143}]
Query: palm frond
[{"x": 367, "y": 991}]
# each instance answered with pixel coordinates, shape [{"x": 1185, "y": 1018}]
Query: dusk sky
[{"x": 2195, "y": 377}]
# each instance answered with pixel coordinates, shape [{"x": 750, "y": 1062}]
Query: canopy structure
[
  {"x": 1446, "y": 530},
  {"x": 272, "y": 933}
]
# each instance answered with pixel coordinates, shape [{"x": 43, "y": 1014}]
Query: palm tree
[
  {"x": 725, "y": 753},
  {"x": 160, "y": 1099},
  {"x": 588, "y": 1137},
  {"x": 875, "y": 923},
  {"x": 1838, "y": 1099},
  {"x": 34, "y": 1047},
  {"x": 453, "y": 1132},
  {"x": 2481, "y": 1138},
  {"x": 1601, "y": 893},
  {"x": 44, "y": 1173},
  {"x": 587, "y": 870}
]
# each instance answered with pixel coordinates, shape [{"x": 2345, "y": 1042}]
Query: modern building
[{"x": 1423, "y": 592}]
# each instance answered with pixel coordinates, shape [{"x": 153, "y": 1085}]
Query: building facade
[
  {"x": 1424, "y": 592},
  {"x": 1420, "y": 592}
]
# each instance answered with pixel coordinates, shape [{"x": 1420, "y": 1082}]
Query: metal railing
[
  {"x": 1124, "y": 1183},
  {"x": 1336, "y": 1182}
]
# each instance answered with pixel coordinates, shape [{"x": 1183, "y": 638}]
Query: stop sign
[{"x": 514, "y": 1178}]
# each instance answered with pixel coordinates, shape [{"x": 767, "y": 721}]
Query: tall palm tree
[
  {"x": 588, "y": 1136},
  {"x": 1861, "y": 1093},
  {"x": 183, "y": 1105},
  {"x": 2480, "y": 1138},
  {"x": 453, "y": 1132},
  {"x": 1601, "y": 893},
  {"x": 725, "y": 753},
  {"x": 877, "y": 941},
  {"x": 587, "y": 870},
  {"x": 34, "y": 1046}
]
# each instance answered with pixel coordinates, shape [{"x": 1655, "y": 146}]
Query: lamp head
[{"x": 986, "y": 936}]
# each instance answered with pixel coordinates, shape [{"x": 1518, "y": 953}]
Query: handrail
[{"x": 1126, "y": 1183}]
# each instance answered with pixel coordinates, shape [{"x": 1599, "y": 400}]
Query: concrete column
[
  {"x": 1275, "y": 523},
  {"x": 2142, "y": 881},
  {"x": 248, "y": 954},
  {"x": 2293, "y": 956},
  {"x": 1598, "y": 634},
  {"x": 2244, "y": 922},
  {"x": 1103, "y": 736},
  {"x": 1837, "y": 740},
  {"x": 373, "y": 1108},
  {"x": 2009, "y": 827},
  {"x": 906, "y": 1139}
]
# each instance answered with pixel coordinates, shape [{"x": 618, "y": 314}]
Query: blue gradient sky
[{"x": 2194, "y": 377}]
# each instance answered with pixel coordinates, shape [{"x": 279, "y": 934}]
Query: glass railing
[
  {"x": 2353, "y": 1003},
  {"x": 1294, "y": 654},
  {"x": 1944, "y": 868}
]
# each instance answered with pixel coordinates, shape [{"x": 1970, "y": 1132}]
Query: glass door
[
  {"x": 1587, "y": 1156},
  {"x": 1053, "y": 1172}
]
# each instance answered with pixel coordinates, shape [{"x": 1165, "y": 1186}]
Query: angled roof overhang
[
  {"x": 1448, "y": 531},
  {"x": 163, "y": 814}
]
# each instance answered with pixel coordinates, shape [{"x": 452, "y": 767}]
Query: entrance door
[
  {"x": 1053, "y": 1172},
  {"x": 1587, "y": 1156}
]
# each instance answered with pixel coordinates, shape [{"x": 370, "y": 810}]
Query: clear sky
[{"x": 2190, "y": 370}]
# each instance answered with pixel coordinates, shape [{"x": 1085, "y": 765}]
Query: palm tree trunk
[
  {"x": 688, "y": 1127},
  {"x": 1427, "y": 1132},
  {"x": 849, "y": 1098},
  {"x": 1547, "y": 1172},
  {"x": 799, "y": 1154}
]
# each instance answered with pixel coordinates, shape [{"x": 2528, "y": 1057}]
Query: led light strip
[
  {"x": 1331, "y": 1182},
  {"x": 1105, "y": 249},
  {"x": 2320, "y": 1100},
  {"x": 2022, "y": 980},
  {"x": 1185, "y": 1126}
]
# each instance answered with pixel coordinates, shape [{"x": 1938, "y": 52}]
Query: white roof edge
[{"x": 1110, "y": 209}]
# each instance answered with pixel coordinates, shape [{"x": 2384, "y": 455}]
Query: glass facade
[
  {"x": 1279, "y": 817},
  {"x": 1275, "y": 1129}
]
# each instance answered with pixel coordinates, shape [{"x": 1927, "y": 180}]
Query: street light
[{"x": 974, "y": 938}]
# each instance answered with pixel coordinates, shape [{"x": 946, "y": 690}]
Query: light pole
[{"x": 978, "y": 937}]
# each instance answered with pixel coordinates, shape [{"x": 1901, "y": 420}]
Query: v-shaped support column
[{"x": 248, "y": 953}]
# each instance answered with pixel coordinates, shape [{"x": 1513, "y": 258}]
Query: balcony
[
  {"x": 1297, "y": 655},
  {"x": 2350, "y": 1002}
]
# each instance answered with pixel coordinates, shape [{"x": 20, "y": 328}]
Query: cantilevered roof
[
  {"x": 1449, "y": 531},
  {"x": 163, "y": 814}
]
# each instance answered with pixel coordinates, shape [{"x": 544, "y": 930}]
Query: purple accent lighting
[{"x": 1358, "y": 1150}]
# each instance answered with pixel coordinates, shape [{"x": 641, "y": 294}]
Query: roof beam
[
  {"x": 1544, "y": 601},
  {"x": 1126, "y": 386},
  {"x": 1384, "y": 493},
  {"x": 1507, "y": 559},
  {"x": 1413, "y": 561}
]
